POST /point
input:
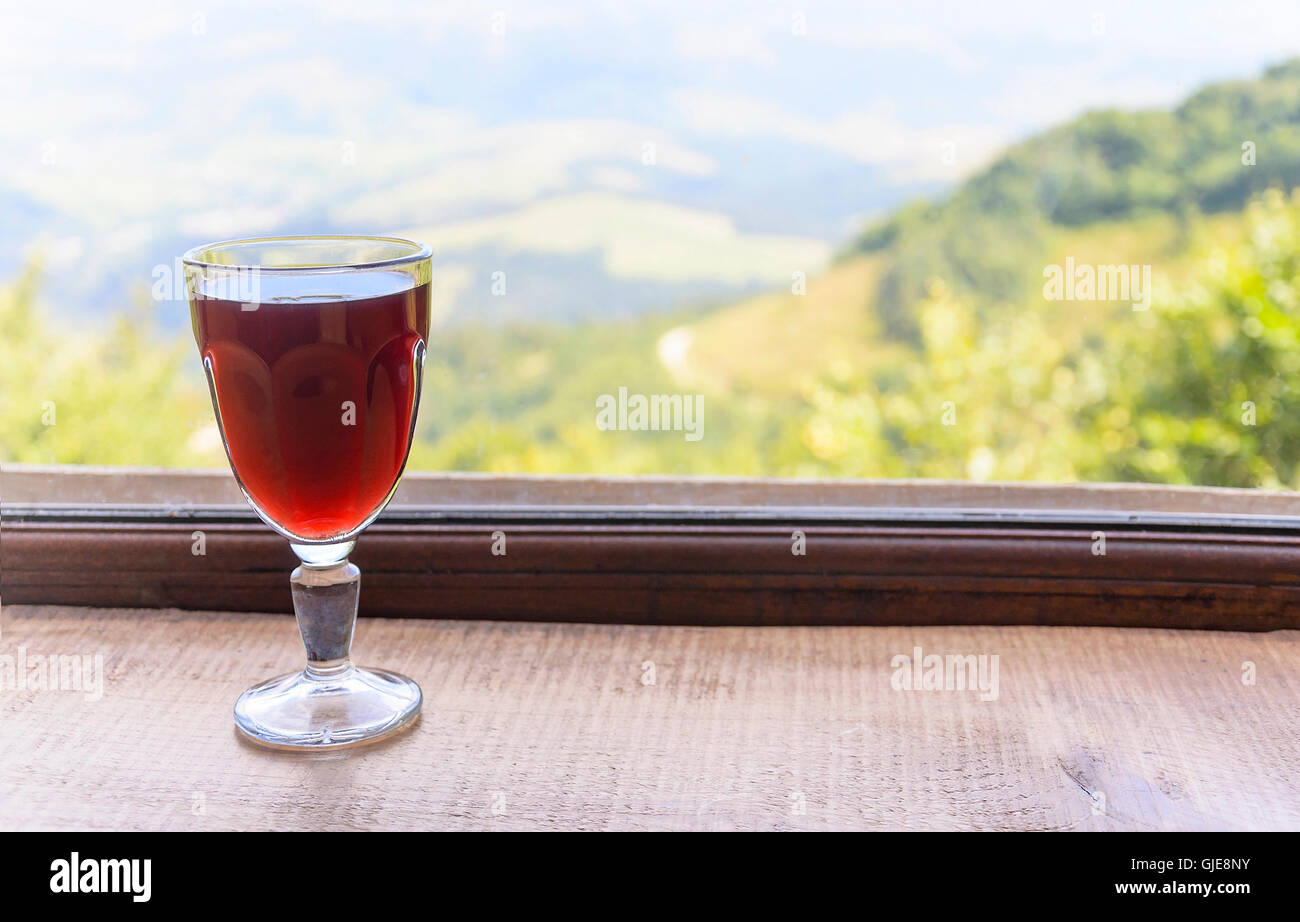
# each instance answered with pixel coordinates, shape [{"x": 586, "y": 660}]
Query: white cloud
[
  {"x": 872, "y": 136},
  {"x": 869, "y": 34},
  {"x": 696, "y": 42},
  {"x": 253, "y": 43},
  {"x": 224, "y": 223},
  {"x": 1047, "y": 96},
  {"x": 617, "y": 179}
]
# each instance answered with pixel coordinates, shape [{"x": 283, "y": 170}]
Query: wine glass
[{"x": 314, "y": 352}]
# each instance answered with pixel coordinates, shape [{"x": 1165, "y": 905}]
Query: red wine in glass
[{"x": 317, "y": 398}]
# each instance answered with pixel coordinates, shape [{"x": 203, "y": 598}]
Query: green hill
[{"x": 987, "y": 237}]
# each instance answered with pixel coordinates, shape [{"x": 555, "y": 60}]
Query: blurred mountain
[
  {"x": 937, "y": 309},
  {"x": 943, "y": 301}
]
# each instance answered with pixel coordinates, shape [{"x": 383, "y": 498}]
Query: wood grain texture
[
  {"x": 742, "y": 726},
  {"x": 736, "y": 573}
]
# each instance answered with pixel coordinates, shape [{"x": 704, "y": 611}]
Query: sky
[{"x": 608, "y": 157}]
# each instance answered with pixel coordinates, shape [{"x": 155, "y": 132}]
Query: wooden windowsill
[
  {"x": 743, "y": 728},
  {"x": 680, "y": 551}
]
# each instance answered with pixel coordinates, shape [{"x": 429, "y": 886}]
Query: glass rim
[{"x": 420, "y": 251}]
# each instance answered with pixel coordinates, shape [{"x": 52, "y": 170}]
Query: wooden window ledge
[{"x": 556, "y": 726}]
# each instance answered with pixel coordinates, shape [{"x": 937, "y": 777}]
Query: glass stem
[{"x": 325, "y": 602}]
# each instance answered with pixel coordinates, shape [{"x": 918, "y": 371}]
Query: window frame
[{"x": 661, "y": 550}]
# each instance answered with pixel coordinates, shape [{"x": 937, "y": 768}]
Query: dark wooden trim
[{"x": 714, "y": 567}]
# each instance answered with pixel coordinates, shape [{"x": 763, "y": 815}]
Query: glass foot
[{"x": 316, "y": 710}]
